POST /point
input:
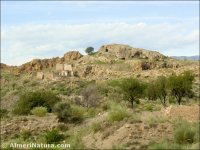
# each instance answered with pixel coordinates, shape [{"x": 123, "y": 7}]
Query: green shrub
[
  {"x": 77, "y": 114},
  {"x": 62, "y": 127},
  {"x": 165, "y": 145},
  {"x": 76, "y": 142},
  {"x": 154, "y": 120},
  {"x": 67, "y": 113},
  {"x": 53, "y": 137},
  {"x": 25, "y": 135},
  {"x": 91, "y": 112},
  {"x": 30, "y": 100},
  {"x": 26, "y": 81},
  {"x": 135, "y": 118},
  {"x": 118, "y": 113},
  {"x": 96, "y": 126},
  {"x": 3, "y": 113},
  {"x": 39, "y": 111},
  {"x": 63, "y": 111},
  {"x": 184, "y": 134},
  {"x": 149, "y": 107}
]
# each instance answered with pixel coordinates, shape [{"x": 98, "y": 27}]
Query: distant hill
[{"x": 196, "y": 57}]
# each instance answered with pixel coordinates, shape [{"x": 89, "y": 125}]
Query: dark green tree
[
  {"x": 89, "y": 50},
  {"x": 132, "y": 89},
  {"x": 181, "y": 85},
  {"x": 151, "y": 91},
  {"x": 161, "y": 89}
]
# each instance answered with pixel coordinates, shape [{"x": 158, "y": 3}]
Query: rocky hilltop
[
  {"x": 110, "y": 60},
  {"x": 40, "y": 64},
  {"x": 126, "y": 52}
]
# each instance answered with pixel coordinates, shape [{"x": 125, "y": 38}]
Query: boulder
[{"x": 72, "y": 55}]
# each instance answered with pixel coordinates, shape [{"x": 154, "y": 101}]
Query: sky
[{"x": 45, "y": 29}]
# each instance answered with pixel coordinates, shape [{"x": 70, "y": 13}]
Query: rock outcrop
[
  {"x": 39, "y": 64},
  {"x": 125, "y": 52},
  {"x": 72, "y": 55}
]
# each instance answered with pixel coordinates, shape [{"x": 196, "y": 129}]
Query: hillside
[
  {"x": 117, "y": 98},
  {"x": 110, "y": 61}
]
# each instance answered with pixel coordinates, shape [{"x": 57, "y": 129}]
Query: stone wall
[
  {"x": 40, "y": 75},
  {"x": 59, "y": 67}
]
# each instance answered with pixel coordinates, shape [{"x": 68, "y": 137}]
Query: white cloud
[{"x": 22, "y": 43}]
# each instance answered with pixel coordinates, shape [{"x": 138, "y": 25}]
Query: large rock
[
  {"x": 39, "y": 64},
  {"x": 72, "y": 55},
  {"x": 126, "y": 52}
]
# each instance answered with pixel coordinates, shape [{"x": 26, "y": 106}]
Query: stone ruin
[
  {"x": 64, "y": 70},
  {"x": 60, "y": 70},
  {"x": 48, "y": 75}
]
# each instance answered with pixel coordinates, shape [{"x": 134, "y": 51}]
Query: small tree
[
  {"x": 161, "y": 89},
  {"x": 181, "y": 86},
  {"x": 90, "y": 96},
  {"x": 151, "y": 91},
  {"x": 89, "y": 50},
  {"x": 132, "y": 89}
]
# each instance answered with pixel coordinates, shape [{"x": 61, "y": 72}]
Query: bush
[
  {"x": 118, "y": 113},
  {"x": 133, "y": 89},
  {"x": 53, "y": 136},
  {"x": 77, "y": 114},
  {"x": 66, "y": 113},
  {"x": 145, "y": 65},
  {"x": 25, "y": 135},
  {"x": 30, "y": 100},
  {"x": 76, "y": 142},
  {"x": 184, "y": 134},
  {"x": 63, "y": 111},
  {"x": 3, "y": 113},
  {"x": 62, "y": 127},
  {"x": 39, "y": 111},
  {"x": 181, "y": 86},
  {"x": 90, "y": 95},
  {"x": 165, "y": 145},
  {"x": 150, "y": 107},
  {"x": 96, "y": 126}
]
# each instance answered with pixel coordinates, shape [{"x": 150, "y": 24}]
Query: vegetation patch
[
  {"x": 30, "y": 100},
  {"x": 118, "y": 113},
  {"x": 184, "y": 134},
  {"x": 53, "y": 136},
  {"x": 67, "y": 113},
  {"x": 39, "y": 111}
]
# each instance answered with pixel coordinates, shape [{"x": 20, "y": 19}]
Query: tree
[
  {"x": 158, "y": 89},
  {"x": 132, "y": 89},
  {"x": 161, "y": 88},
  {"x": 181, "y": 86},
  {"x": 89, "y": 50},
  {"x": 151, "y": 91}
]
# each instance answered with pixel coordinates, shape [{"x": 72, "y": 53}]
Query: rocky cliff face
[
  {"x": 40, "y": 64},
  {"x": 121, "y": 51}
]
